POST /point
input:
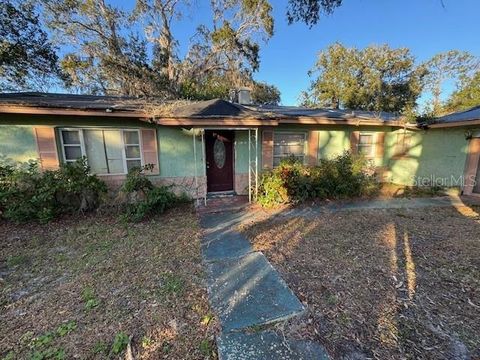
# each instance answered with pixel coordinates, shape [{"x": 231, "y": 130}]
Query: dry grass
[
  {"x": 104, "y": 279},
  {"x": 383, "y": 284}
]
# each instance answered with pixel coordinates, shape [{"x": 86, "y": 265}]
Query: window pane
[
  {"x": 95, "y": 151},
  {"x": 365, "y": 139},
  {"x": 71, "y": 137},
  {"x": 365, "y": 149},
  {"x": 73, "y": 152},
  {"x": 131, "y": 137},
  {"x": 133, "y": 163},
  {"x": 132, "y": 151}
]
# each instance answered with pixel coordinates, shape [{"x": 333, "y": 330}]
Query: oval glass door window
[{"x": 219, "y": 153}]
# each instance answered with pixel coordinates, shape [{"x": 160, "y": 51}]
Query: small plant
[
  {"x": 16, "y": 260},
  {"x": 66, "y": 328},
  {"x": 89, "y": 298},
  {"x": 52, "y": 353},
  {"x": 10, "y": 356},
  {"x": 120, "y": 343},
  {"x": 148, "y": 199},
  {"x": 206, "y": 319},
  {"x": 171, "y": 284},
  {"x": 100, "y": 347},
  {"x": 137, "y": 181},
  {"x": 166, "y": 347},
  {"x": 43, "y": 340},
  {"x": 146, "y": 342},
  {"x": 206, "y": 347}
]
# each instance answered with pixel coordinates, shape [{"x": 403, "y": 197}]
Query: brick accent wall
[{"x": 267, "y": 148}]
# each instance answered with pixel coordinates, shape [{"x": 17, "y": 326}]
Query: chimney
[{"x": 244, "y": 96}]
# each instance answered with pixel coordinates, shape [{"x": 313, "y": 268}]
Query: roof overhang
[
  {"x": 354, "y": 121},
  {"x": 209, "y": 121},
  {"x": 215, "y": 121},
  {"x": 454, "y": 124},
  {"x": 29, "y": 110}
]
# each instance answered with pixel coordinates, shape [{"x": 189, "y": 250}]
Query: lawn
[
  {"x": 85, "y": 287},
  {"x": 383, "y": 284}
]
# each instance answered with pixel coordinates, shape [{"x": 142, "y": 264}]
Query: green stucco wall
[
  {"x": 436, "y": 153},
  {"x": 17, "y": 142},
  {"x": 176, "y": 152}
]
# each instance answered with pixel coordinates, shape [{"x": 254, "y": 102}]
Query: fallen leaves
[
  {"x": 378, "y": 282},
  {"x": 93, "y": 278}
]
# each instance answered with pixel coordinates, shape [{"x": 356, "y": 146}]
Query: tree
[
  {"x": 466, "y": 96},
  {"x": 377, "y": 78},
  {"x": 27, "y": 57},
  {"x": 265, "y": 94},
  {"x": 159, "y": 16},
  {"x": 106, "y": 56},
  {"x": 230, "y": 47},
  {"x": 454, "y": 66},
  {"x": 309, "y": 11}
]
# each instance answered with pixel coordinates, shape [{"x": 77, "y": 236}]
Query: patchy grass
[
  {"x": 385, "y": 284},
  {"x": 389, "y": 190},
  {"x": 87, "y": 287}
]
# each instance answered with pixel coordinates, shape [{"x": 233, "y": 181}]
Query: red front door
[{"x": 219, "y": 154}]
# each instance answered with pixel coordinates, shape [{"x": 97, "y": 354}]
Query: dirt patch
[
  {"x": 86, "y": 287},
  {"x": 384, "y": 284}
]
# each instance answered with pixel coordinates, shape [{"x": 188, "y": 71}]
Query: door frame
[
  {"x": 234, "y": 153},
  {"x": 471, "y": 166}
]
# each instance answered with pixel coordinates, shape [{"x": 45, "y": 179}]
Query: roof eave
[
  {"x": 454, "y": 124},
  {"x": 215, "y": 121},
  {"x": 29, "y": 110}
]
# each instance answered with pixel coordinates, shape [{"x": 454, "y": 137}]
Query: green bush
[
  {"x": 28, "y": 194},
  {"x": 345, "y": 176},
  {"x": 145, "y": 198}
]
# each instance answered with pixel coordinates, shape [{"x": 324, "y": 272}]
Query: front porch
[{"x": 228, "y": 159}]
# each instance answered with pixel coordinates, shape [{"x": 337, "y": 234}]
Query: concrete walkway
[{"x": 246, "y": 292}]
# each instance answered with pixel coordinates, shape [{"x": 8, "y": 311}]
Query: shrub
[
  {"x": 28, "y": 194},
  {"x": 145, "y": 199},
  {"x": 345, "y": 176}
]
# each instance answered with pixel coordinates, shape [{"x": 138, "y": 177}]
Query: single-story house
[{"x": 222, "y": 146}]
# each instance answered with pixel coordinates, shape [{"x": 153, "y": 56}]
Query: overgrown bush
[
  {"x": 28, "y": 194},
  {"x": 145, "y": 199},
  {"x": 345, "y": 176}
]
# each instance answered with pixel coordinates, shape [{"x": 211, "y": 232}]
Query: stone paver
[
  {"x": 267, "y": 345},
  {"x": 247, "y": 291}
]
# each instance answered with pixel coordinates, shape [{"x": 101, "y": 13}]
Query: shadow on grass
[{"x": 385, "y": 283}]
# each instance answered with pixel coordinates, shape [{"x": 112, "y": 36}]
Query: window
[
  {"x": 72, "y": 145},
  {"x": 108, "y": 151},
  {"x": 365, "y": 144},
  {"x": 403, "y": 144},
  {"x": 287, "y": 145},
  {"x": 133, "y": 156}
]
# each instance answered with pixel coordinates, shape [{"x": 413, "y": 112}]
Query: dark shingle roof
[
  {"x": 214, "y": 108},
  {"x": 210, "y": 109},
  {"x": 467, "y": 115},
  {"x": 70, "y": 101},
  {"x": 297, "y": 111}
]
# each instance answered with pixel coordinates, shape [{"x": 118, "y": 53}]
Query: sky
[{"x": 425, "y": 26}]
